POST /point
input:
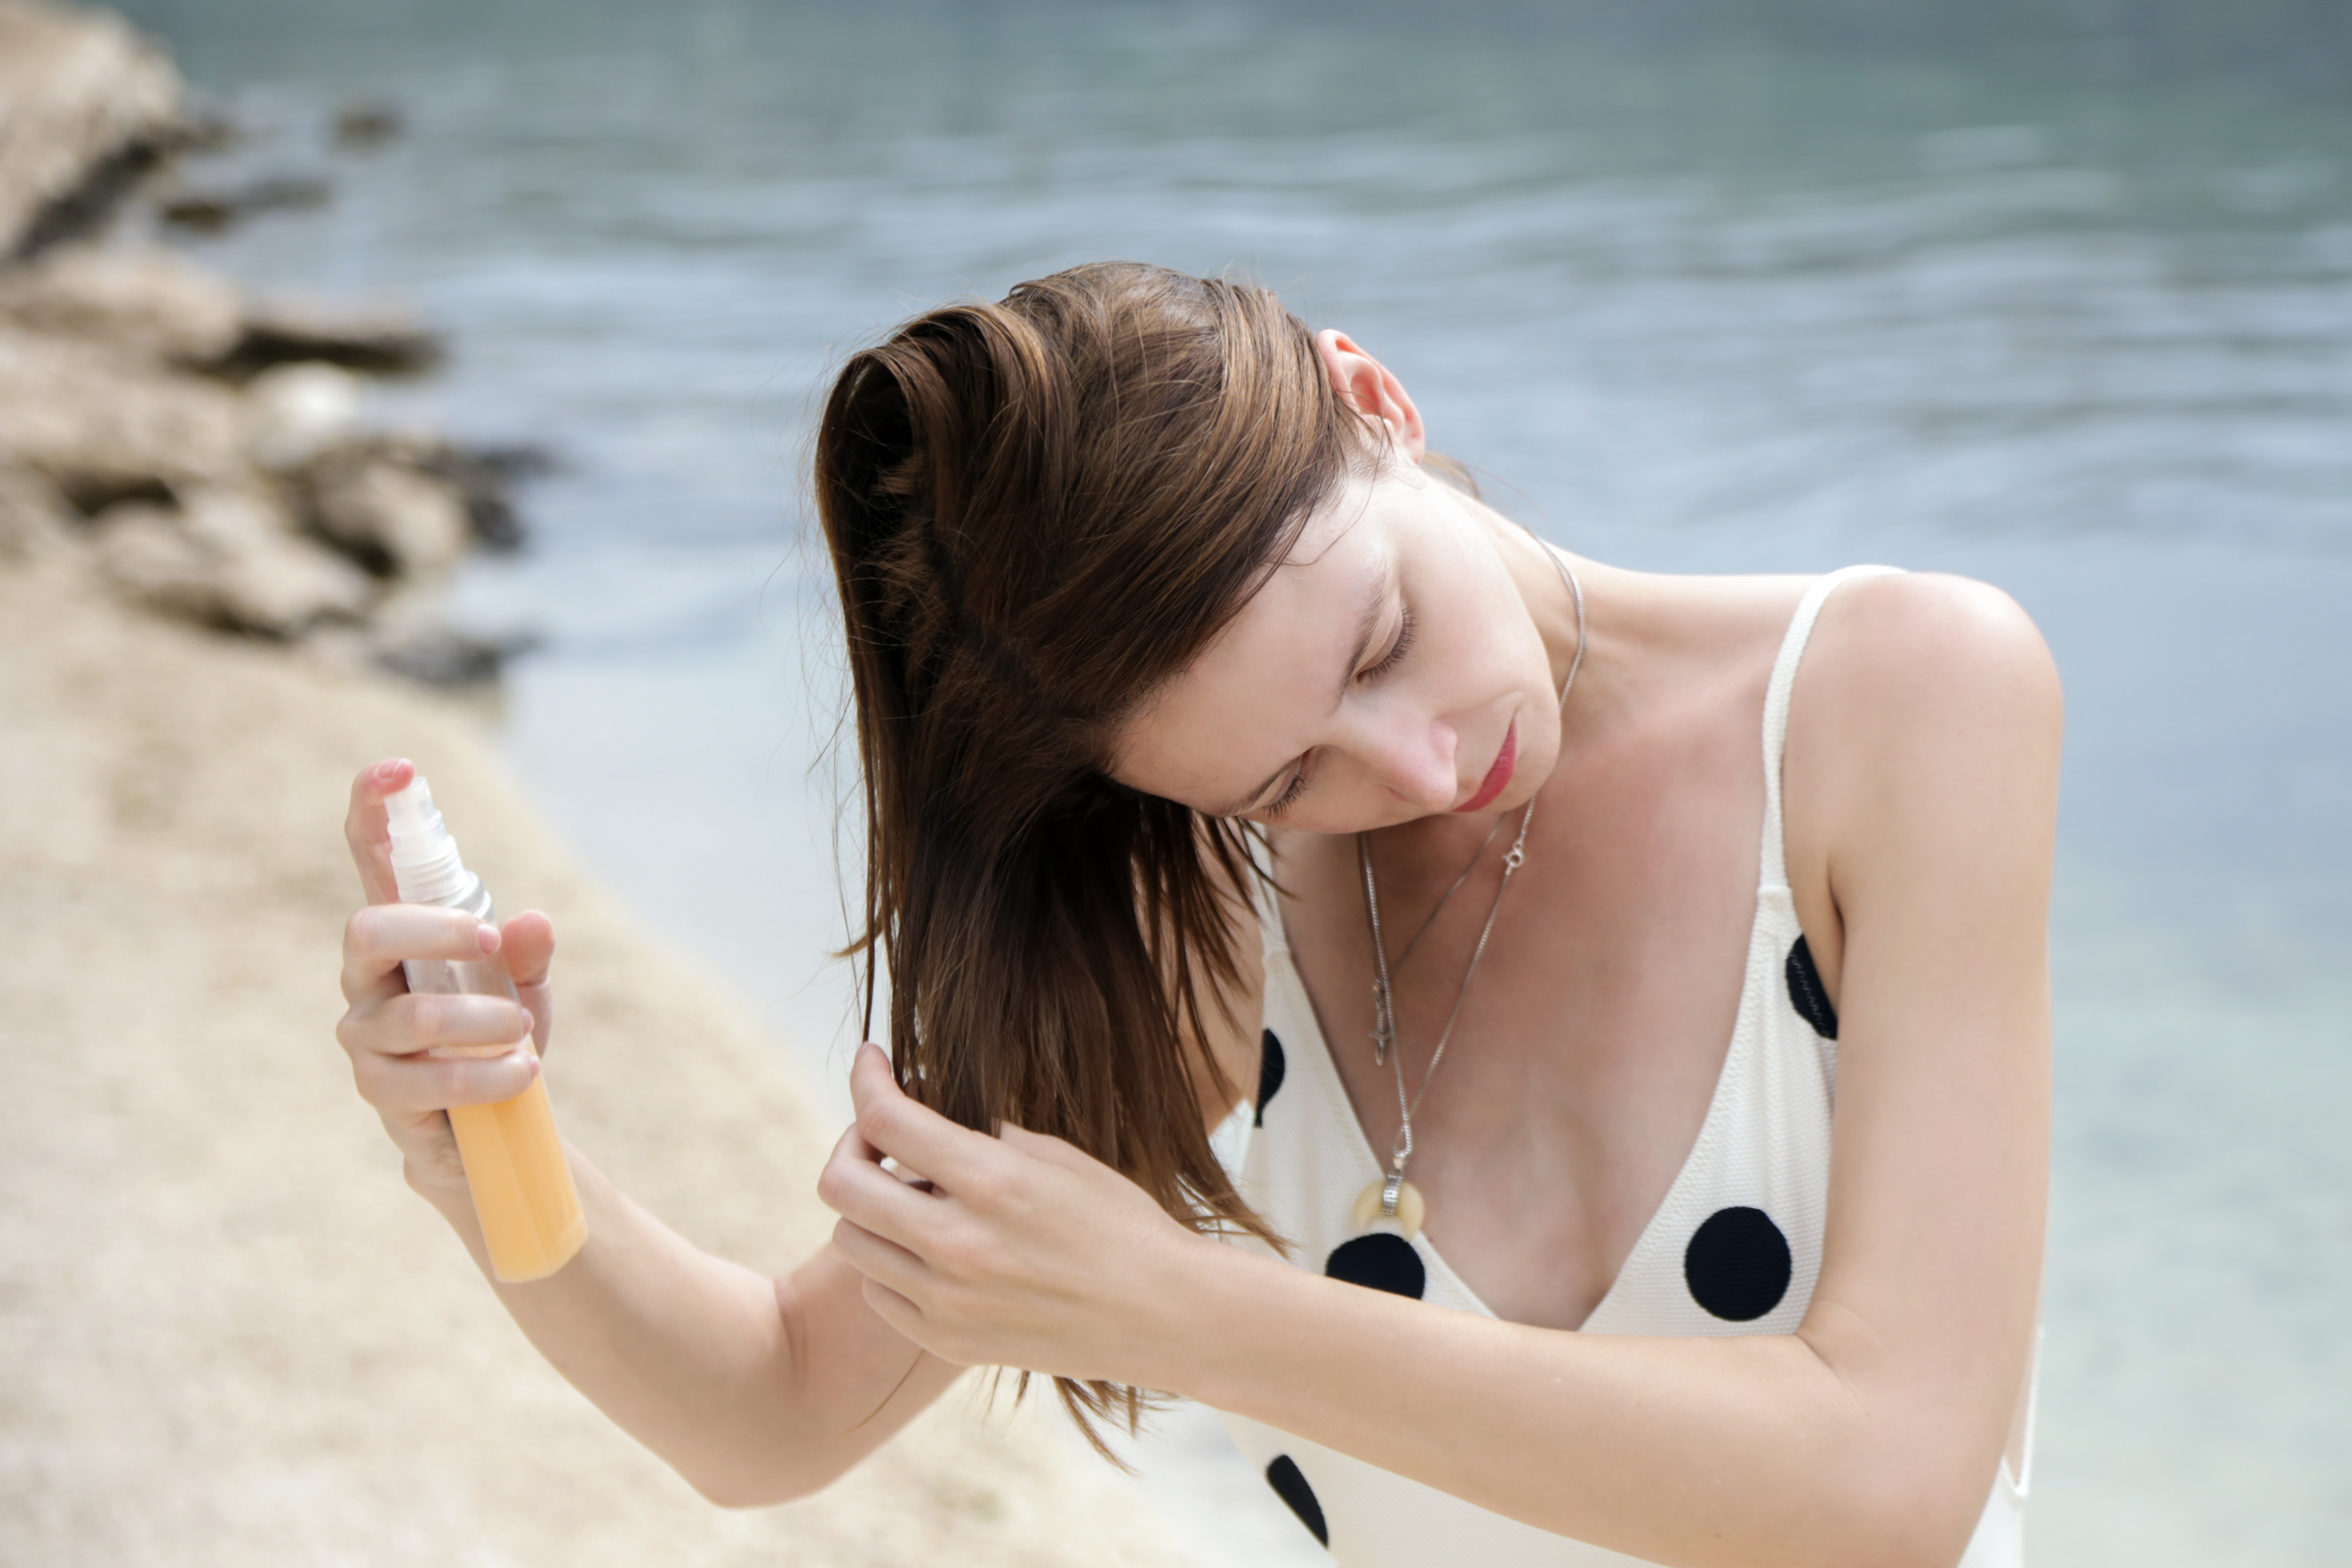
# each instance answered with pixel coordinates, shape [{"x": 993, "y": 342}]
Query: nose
[{"x": 1416, "y": 764}]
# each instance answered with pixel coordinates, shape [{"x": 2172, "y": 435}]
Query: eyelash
[
  {"x": 1395, "y": 655},
  {"x": 1290, "y": 794},
  {"x": 1403, "y": 644}
]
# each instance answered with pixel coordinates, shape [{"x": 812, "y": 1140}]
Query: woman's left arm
[{"x": 1866, "y": 1437}]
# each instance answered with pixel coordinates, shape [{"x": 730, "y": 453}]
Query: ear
[{"x": 1365, "y": 384}]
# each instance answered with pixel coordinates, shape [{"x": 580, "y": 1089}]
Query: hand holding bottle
[{"x": 447, "y": 1014}]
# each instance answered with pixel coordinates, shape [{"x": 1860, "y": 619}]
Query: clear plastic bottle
[{"x": 522, "y": 1189}]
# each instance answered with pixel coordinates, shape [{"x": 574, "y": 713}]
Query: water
[{"x": 2065, "y": 307}]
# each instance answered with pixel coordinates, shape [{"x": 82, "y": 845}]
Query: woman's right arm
[{"x": 754, "y": 1390}]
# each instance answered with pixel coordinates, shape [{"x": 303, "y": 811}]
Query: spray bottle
[{"x": 522, "y": 1189}]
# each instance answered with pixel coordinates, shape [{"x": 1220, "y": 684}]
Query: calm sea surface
[{"x": 2069, "y": 309}]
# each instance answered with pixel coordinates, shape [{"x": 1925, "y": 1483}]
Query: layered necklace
[{"x": 1392, "y": 1198}]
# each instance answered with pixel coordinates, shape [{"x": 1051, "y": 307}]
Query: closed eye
[
  {"x": 1389, "y": 660},
  {"x": 1290, "y": 792},
  {"x": 1397, "y": 649}
]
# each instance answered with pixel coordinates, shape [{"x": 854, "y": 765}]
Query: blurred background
[{"x": 2056, "y": 295}]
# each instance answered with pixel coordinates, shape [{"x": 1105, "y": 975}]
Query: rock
[
  {"x": 226, "y": 558},
  {"x": 204, "y": 128},
  {"x": 387, "y": 513},
  {"x": 289, "y": 585},
  {"x": 381, "y": 339},
  {"x": 295, "y": 412},
  {"x": 439, "y": 655},
  {"x": 199, "y": 453},
  {"x": 486, "y": 477},
  {"x": 144, "y": 551},
  {"x": 406, "y": 636},
  {"x": 36, "y": 520},
  {"x": 481, "y": 479},
  {"x": 86, "y": 106},
  {"x": 206, "y": 214},
  {"x": 148, "y": 302},
  {"x": 368, "y": 124},
  {"x": 104, "y": 424},
  {"x": 211, "y": 212}
]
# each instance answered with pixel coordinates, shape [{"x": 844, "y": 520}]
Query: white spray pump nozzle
[{"x": 425, "y": 861}]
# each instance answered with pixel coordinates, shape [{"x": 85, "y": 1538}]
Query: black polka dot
[
  {"x": 1382, "y": 1260},
  {"x": 1806, "y": 992},
  {"x": 1736, "y": 1264},
  {"x": 1291, "y": 1487},
  {"x": 1270, "y": 1069}
]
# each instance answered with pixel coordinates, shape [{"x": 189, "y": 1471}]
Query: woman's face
[{"x": 1389, "y": 670}]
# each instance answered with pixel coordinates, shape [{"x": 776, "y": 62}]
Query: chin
[{"x": 1535, "y": 770}]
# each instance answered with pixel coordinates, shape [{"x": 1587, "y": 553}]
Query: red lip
[{"x": 1499, "y": 774}]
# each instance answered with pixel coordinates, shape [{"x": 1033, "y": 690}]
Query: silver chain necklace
[
  {"x": 1444, "y": 898},
  {"x": 1392, "y": 1197}
]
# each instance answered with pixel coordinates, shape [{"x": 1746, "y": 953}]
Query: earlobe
[{"x": 1366, "y": 385}]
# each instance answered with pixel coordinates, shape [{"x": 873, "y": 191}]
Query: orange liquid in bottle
[
  {"x": 522, "y": 1188},
  {"x": 523, "y": 1196}
]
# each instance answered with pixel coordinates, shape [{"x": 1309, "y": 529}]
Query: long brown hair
[{"x": 1038, "y": 512}]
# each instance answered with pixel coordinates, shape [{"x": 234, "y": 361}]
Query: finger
[
  {"x": 1045, "y": 1146},
  {"x": 862, "y": 1192},
  {"x": 365, "y": 832},
  {"x": 856, "y": 1142},
  {"x": 527, "y": 946},
  {"x": 445, "y": 1023},
  {"x": 880, "y": 1259},
  {"x": 851, "y": 1145},
  {"x": 895, "y": 1310},
  {"x": 378, "y": 937},
  {"x": 413, "y": 1086},
  {"x": 911, "y": 1133},
  {"x": 869, "y": 1075}
]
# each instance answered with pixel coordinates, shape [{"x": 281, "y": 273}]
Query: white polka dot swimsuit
[{"x": 1733, "y": 1249}]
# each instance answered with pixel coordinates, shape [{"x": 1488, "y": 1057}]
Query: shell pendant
[{"x": 1394, "y": 1200}]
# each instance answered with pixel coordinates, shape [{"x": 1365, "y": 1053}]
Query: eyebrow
[{"x": 1367, "y": 623}]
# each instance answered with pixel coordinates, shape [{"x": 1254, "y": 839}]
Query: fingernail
[{"x": 488, "y": 935}]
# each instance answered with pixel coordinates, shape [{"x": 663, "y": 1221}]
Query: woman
[{"x": 1133, "y": 562}]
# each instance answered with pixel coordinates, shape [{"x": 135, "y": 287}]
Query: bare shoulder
[
  {"x": 1926, "y": 660},
  {"x": 1926, "y": 725}
]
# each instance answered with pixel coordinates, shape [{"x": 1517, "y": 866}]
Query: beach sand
[{"x": 228, "y": 1332}]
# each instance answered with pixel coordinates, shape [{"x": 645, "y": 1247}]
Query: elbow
[
  {"x": 744, "y": 1499},
  {"x": 738, "y": 1494},
  {"x": 1904, "y": 1515},
  {"x": 738, "y": 1488}
]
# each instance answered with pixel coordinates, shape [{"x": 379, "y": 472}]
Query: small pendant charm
[{"x": 1393, "y": 1200}]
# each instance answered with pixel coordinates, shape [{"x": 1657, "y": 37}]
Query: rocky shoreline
[
  {"x": 198, "y": 452},
  {"x": 230, "y": 1337},
  {"x": 229, "y": 1334}
]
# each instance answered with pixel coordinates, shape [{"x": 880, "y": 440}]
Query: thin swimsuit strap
[{"x": 1773, "y": 871}]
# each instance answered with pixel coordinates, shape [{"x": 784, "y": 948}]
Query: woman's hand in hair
[{"x": 1018, "y": 1250}]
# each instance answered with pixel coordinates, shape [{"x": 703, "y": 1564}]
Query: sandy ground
[{"x": 228, "y": 1333}]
